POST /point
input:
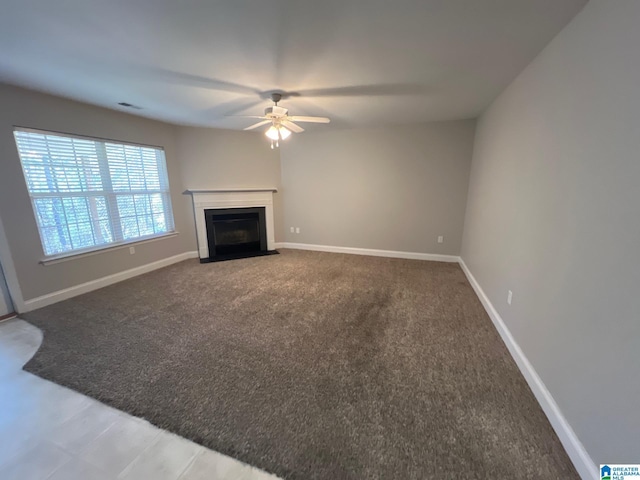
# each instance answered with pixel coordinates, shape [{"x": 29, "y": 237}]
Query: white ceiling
[{"x": 360, "y": 62}]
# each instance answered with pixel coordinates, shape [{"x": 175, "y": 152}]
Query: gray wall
[
  {"x": 5, "y": 301},
  {"x": 30, "y": 109},
  {"x": 554, "y": 215},
  {"x": 214, "y": 158},
  {"x": 394, "y": 188},
  {"x": 196, "y": 158}
]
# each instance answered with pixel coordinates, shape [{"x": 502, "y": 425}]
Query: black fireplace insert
[{"x": 236, "y": 233}]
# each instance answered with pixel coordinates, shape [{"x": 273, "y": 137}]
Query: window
[{"x": 89, "y": 194}]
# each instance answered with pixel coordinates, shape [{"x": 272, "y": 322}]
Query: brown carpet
[{"x": 311, "y": 366}]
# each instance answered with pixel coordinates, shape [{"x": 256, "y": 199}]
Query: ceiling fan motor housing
[
  {"x": 276, "y": 97},
  {"x": 275, "y": 111}
]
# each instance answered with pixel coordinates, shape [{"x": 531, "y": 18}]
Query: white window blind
[{"x": 89, "y": 193}]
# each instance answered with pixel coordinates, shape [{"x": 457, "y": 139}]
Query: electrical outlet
[
  {"x": 509, "y": 297},
  {"x": 440, "y": 239},
  {"x": 292, "y": 229},
  {"x": 297, "y": 229},
  {"x": 132, "y": 250}
]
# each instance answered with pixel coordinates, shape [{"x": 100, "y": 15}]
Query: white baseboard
[
  {"x": 576, "y": 451},
  {"x": 370, "y": 252},
  {"x": 67, "y": 293}
]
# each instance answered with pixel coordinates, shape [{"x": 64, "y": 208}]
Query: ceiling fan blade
[
  {"x": 183, "y": 78},
  {"x": 297, "y": 118},
  {"x": 391, "y": 89},
  {"x": 292, "y": 126},
  {"x": 259, "y": 124},
  {"x": 247, "y": 116},
  {"x": 231, "y": 107}
]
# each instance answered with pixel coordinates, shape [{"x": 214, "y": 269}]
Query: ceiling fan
[{"x": 282, "y": 124}]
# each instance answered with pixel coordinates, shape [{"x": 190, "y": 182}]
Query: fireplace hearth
[{"x": 236, "y": 233}]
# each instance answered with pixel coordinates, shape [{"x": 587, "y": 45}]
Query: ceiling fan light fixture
[
  {"x": 272, "y": 133},
  {"x": 284, "y": 132}
]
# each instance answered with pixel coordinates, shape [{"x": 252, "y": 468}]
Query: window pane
[
  {"x": 129, "y": 227},
  {"x": 98, "y": 207},
  {"x": 157, "y": 205},
  {"x": 58, "y": 164},
  {"x": 142, "y": 204},
  {"x": 99, "y": 216},
  {"x": 75, "y": 209},
  {"x": 81, "y": 235},
  {"x": 50, "y": 211},
  {"x": 126, "y": 207},
  {"x": 151, "y": 171},
  {"x": 159, "y": 223},
  {"x": 55, "y": 240},
  {"x": 88, "y": 193},
  {"x": 135, "y": 169},
  {"x": 117, "y": 167},
  {"x": 103, "y": 233},
  {"x": 145, "y": 223}
]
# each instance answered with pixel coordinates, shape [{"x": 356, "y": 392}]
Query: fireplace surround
[{"x": 223, "y": 203}]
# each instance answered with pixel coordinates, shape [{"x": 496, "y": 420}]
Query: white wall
[
  {"x": 554, "y": 214},
  {"x": 395, "y": 188}
]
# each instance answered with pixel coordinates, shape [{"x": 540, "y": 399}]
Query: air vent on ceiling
[{"x": 128, "y": 105}]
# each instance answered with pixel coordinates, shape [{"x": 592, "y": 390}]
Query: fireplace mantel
[
  {"x": 227, "y": 190},
  {"x": 230, "y": 198}
]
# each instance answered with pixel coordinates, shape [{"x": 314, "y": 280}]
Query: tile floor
[{"x": 48, "y": 432}]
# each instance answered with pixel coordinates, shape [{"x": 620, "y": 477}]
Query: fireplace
[
  {"x": 236, "y": 233},
  {"x": 233, "y": 201}
]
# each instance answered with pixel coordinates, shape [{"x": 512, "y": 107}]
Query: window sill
[{"x": 53, "y": 259}]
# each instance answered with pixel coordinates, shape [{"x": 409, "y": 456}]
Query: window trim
[
  {"x": 88, "y": 252},
  {"x": 94, "y": 250},
  {"x": 84, "y": 137}
]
